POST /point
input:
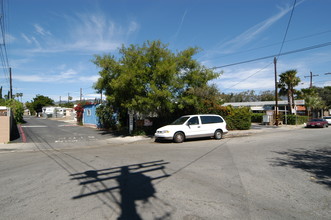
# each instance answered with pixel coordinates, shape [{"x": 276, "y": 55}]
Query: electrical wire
[
  {"x": 3, "y": 47},
  {"x": 270, "y": 45},
  {"x": 281, "y": 54},
  {"x": 287, "y": 28},
  {"x": 247, "y": 77}
]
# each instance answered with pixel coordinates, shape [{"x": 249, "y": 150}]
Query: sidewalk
[{"x": 255, "y": 129}]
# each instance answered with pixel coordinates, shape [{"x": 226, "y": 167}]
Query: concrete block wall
[{"x": 4, "y": 129}]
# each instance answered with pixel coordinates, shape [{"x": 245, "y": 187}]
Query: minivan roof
[{"x": 201, "y": 115}]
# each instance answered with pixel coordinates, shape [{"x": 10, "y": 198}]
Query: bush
[
  {"x": 16, "y": 107},
  {"x": 257, "y": 117},
  {"x": 107, "y": 116},
  {"x": 296, "y": 119},
  {"x": 237, "y": 118}
]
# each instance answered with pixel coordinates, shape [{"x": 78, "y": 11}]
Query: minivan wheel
[
  {"x": 218, "y": 134},
  {"x": 179, "y": 137}
]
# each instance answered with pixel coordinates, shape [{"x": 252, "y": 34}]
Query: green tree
[
  {"x": 288, "y": 80},
  {"x": 38, "y": 103},
  {"x": 325, "y": 94},
  {"x": 151, "y": 79},
  {"x": 313, "y": 101},
  {"x": 106, "y": 115},
  {"x": 249, "y": 96},
  {"x": 18, "y": 95},
  {"x": 267, "y": 95},
  {"x": 201, "y": 100},
  {"x": 16, "y": 107}
]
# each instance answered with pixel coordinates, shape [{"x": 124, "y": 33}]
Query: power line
[
  {"x": 247, "y": 77},
  {"x": 287, "y": 28},
  {"x": 271, "y": 56},
  {"x": 3, "y": 48},
  {"x": 273, "y": 44}
]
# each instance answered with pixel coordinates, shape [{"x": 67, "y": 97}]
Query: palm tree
[
  {"x": 288, "y": 80},
  {"x": 313, "y": 101}
]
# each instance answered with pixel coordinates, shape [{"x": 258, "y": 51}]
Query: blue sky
[{"x": 50, "y": 44}]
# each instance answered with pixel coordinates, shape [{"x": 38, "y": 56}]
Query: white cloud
[
  {"x": 82, "y": 33},
  {"x": 180, "y": 26},
  {"x": 65, "y": 76},
  {"x": 8, "y": 38},
  {"x": 91, "y": 79},
  {"x": 26, "y": 38},
  {"x": 41, "y": 31},
  {"x": 68, "y": 74},
  {"x": 249, "y": 35},
  {"x": 133, "y": 27},
  {"x": 31, "y": 78},
  {"x": 253, "y": 77}
]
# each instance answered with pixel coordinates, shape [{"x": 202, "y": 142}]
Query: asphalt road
[
  {"x": 53, "y": 132},
  {"x": 274, "y": 175}
]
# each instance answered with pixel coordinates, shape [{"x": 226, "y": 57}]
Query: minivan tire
[
  {"x": 179, "y": 137},
  {"x": 218, "y": 134}
]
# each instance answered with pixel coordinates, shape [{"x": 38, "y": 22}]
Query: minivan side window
[
  {"x": 193, "y": 121},
  {"x": 210, "y": 119}
]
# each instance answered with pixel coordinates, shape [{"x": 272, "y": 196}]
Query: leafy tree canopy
[
  {"x": 39, "y": 102},
  {"x": 151, "y": 78},
  {"x": 249, "y": 96},
  {"x": 16, "y": 107},
  {"x": 325, "y": 94}
]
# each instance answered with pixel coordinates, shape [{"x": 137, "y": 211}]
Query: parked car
[
  {"x": 328, "y": 119},
  {"x": 317, "y": 122},
  {"x": 193, "y": 126}
]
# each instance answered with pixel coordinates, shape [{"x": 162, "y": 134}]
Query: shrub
[
  {"x": 79, "y": 114},
  {"x": 296, "y": 119},
  {"x": 257, "y": 117},
  {"x": 237, "y": 118},
  {"x": 107, "y": 116},
  {"x": 17, "y": 109}
]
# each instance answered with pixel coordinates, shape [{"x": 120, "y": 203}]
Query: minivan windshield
[{"x": 180, "y": 120}]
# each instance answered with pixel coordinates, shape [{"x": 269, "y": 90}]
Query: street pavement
[
  {"x": 71, "y": 138},
  {"x": 274, "y": 173}
]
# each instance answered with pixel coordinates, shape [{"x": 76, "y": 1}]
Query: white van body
[{"x": 193, "y": 126}]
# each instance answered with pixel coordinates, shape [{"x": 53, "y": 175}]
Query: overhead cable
[
  {"x": 281, "y": 54},
  {"x": 287, "y": 28}
]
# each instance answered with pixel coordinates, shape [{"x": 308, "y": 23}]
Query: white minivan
[{"x": 193, "y": 126}]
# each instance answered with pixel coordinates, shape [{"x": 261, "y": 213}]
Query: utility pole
[
  {"x": 276, "y": 91},
  {"x": 11, "y": 84},
  {"x": 60, "y": 100},
  {"x": 311, "y": 79}
]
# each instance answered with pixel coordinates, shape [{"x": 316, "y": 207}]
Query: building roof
[{"x": 262, "y": 103}]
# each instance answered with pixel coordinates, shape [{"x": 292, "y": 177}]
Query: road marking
[
  {"x": 34, "y": 126},
  {"x": 67, "y": 125}
]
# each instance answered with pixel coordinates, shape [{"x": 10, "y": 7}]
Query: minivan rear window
[{"x": 210, "y": 119}]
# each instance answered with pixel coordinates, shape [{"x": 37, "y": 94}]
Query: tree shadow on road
[
  {"x": 121, "y": 187},
  {"x": 317, "y": 162}
]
